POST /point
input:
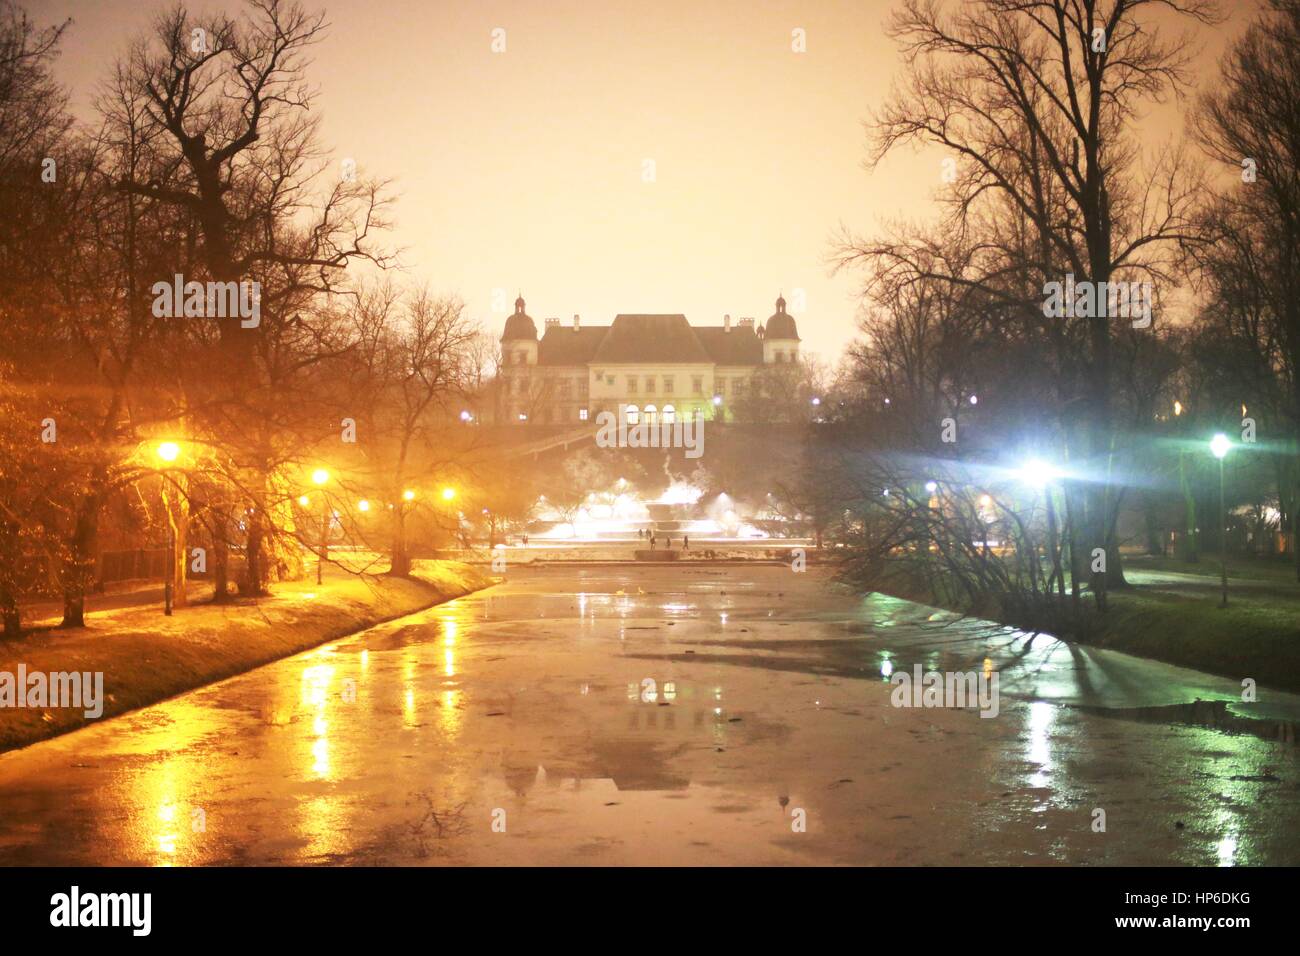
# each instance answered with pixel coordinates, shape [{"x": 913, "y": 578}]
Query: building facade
[{"x": 657, "y": 368}]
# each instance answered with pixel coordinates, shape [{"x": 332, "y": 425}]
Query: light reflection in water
[
  {"x": 164, "y": 794},
  {"x": 315, "y": 695},
  {"x": 449, "y": 715},
  {"x": 1042, "y": 717}
]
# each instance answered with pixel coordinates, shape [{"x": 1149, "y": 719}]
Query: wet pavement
[{"x": 708, "y": 714}]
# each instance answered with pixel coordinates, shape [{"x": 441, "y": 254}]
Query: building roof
[
  {"x": 781, "y": 324},
  {"x": 520, "y": 325},
  {"x": 564, "y": 345},
  {"x": 639, "y": 339},
  {"x": 740, "y": 346},
  {"x": 651, "y": 338}
]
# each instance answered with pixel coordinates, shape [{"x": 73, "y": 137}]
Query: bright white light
[
  {"x": 974, "y": 400},
  {"x": 1220, "y": 444},
  {"x": 816, "y": 400},
  {"x": 932, "y": 486},
  {"x": 1037, "y": 473},
  {"x": 717, "y": 399},
  {"x": 465, "y": 416}
]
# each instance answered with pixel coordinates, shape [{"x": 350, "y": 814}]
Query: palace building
[{"x": 657, "y": 368}]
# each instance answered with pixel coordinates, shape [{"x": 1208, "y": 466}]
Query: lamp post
[
  {"x": 169, "y": 451},
  {"x": 320, "y": 476},
  {"x": 1040, "y": 475},
  {"x": 1219, "y": 446}
]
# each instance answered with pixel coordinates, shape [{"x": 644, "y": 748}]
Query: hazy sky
[{"x": 523, "y": 170}]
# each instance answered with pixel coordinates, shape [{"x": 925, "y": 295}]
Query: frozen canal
[{"x": 663, "y": 715}]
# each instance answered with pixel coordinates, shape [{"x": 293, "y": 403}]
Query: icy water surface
[{"x": 715, "y": 715}]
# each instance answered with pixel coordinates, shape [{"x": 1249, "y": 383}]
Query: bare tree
[{"x": 1034, "y": 102}]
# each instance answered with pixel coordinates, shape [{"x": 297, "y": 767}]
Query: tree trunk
[
  {"x": 400, "y": 566},
  {"x": 80, "y": 563},
  {"x": 220, "y": 555}
]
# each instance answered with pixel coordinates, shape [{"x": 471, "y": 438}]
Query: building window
[
  {"x": 564, "y": 388},
  {"x": 582, "y": 387},
  {"x": 649, "y": 385},
  {"x": 582, "y": 414},
  {"x": 670, "y": 415},
  {"x": 651, "y": 415},
  {"x": 633, "y": 415},
  {"x": 697, "y": 384},
  {"x": 668, "y": 384},
  {"x": 609, "y": 379},
  {"x": 521, "y": 358},
  {"x": 722, "y": 386},
  {"x": 631, "y": 384},
  {"x": 738, "y": 388}
]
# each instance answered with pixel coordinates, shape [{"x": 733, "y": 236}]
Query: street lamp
[
  {"x": 1040, "y": 475},
  {"x": 320, "y": 476},
  {"x": 448, "y": 494},
  {"x": 1219, "y": 446},
  {"x": 169, "y": 451}
]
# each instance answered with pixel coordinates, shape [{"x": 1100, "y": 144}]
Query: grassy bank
[
  {"x": 1171, "y": 613},
  {"x": 146, "y": 657}
]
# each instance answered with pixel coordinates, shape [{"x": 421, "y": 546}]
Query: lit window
[
  {"x": 582, "y": 414},
  {"x": 651, "y": 415},
  {"x": 633, "y": 415},
  {"x": 670, "y": 415}
]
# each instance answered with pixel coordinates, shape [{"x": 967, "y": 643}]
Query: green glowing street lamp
[{"x": 1219, "y": 447}]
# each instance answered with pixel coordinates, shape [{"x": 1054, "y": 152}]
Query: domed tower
[
  {"x": 519, "y": 340},
  {"x": 780, "y": 337}
]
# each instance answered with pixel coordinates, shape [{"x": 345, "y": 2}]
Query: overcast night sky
[{"x": 522, "y": 171}]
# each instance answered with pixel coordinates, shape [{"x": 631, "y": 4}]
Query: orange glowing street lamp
[
  {"x": 168, "y": 452},
  {"x": 320, "y": 476},
  {"x": 408, "y": 495},
  {"x": 448, "y": 494}
]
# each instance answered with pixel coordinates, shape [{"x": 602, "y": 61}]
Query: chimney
[
  {"x": 726, "y": 323},
  {"x": 745, "y": 324},
  {"x": 577, "y": 322},
  {"x": 552, "y": 323}
]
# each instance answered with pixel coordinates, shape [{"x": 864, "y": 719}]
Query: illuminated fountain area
[{"x": 621, "y": 511}]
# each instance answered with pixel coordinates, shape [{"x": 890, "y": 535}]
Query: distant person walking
[
  {"x": 686, "y": 542},
  {"x": 652, "y": 541}
]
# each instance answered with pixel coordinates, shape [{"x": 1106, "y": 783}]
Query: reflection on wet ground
[{"x": 703, "y": 715}]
